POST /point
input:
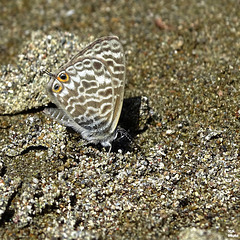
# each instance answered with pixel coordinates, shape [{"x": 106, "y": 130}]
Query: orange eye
[
  {"x": 56, "y": 88},
  {"x": 63, "y": 77}
]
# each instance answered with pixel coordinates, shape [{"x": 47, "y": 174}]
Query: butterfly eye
[
  {"x": 56, "y": 88},
  {"x": 63, "y": 77}
]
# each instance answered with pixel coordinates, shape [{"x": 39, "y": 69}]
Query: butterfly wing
[
  {"x": 91, "y": 100},
  {"x": 110, "y": 50}
]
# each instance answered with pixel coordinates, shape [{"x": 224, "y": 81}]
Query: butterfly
[{"x": 88, "y": 91}]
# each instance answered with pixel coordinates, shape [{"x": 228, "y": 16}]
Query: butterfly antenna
[{"x": 48, "y": 73}]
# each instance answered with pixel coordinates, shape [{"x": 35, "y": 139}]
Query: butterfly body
[{"x": 88, "y": 91}]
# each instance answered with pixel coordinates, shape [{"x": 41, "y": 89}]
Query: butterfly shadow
[{"x": 131, "y": 123}]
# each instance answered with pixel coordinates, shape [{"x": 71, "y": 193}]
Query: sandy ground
[{"x": 180, "y": 177}]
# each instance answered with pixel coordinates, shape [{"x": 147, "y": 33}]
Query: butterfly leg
[{"x": 123, "y": 133}]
